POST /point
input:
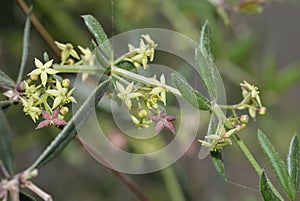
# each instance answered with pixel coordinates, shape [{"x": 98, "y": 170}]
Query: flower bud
[
  {"x": 143, "y": 114},
  {"x": 262, "y": 110},
  {"x": 21, "y": 86},
  {"x": 34, "y": 77},
  {"x": 244, "y": 118},
  {"x": 243, "y": 126},
  {"x": 64, "y": 111},
  {"x": 66, "y": 83}
]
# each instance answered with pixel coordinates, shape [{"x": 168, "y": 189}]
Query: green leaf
[
  {"x": 277, "y": 165},
  {"x": 191, "y": 95},
  {"x": 206, "y": 40},
  {"x": 25, "y": 46},
  {"x": 250, "y": 7},
  {"x": 265, "y": 189},
  {"x": 293, "y": 160},
  {"x": 97, "y": 31},
  {"x": 6, "y": 153},
  {"x": 216, "y": 156},
  {"x": 70, "y": 130},
  {"x": 6, "y": 81}
]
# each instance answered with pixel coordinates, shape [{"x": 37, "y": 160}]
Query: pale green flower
[
  {"x": 67, "y": 50},
  {"x": 30, "y": 109},
  {"x": 88, "y": 58},
  {"x": 43, "y": 70},
  {"x": 161, "y": 88},
  {"x": 127, "y": 94},
  {"x": 61, "y": 94}
]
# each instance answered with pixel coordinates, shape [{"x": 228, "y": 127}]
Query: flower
[
  {"x": 30, "y": 109},
  {"x": 127, "y": 94},
  {"x": 67, "y": 50},
  {"x": 163, "y": 120},
  {"x": 61, "y": 94},
  {"x": 161, "y": 88},
  {"x": 88, "y": 58},
  {"x": 143, "y": 54},
  {"x": 51, "y": 119},
  {"x": 43, "y": 70}
]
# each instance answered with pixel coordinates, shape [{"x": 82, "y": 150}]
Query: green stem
[
  {"x": 172, "y": 184},
  {"x": 78, "y": 68},
  {"x": 247, "y": 153}
]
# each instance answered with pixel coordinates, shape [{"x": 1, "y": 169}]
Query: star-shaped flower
[
  {"x": 161, "y": 89},
  {"x": 61, "y": 94},
  {"x": 88, "y": 58},
  {"x": 51, "y": 119},
  {"x": 30, "y": 109},
  {"x": 127, "y": 94},
  {"x": 43, "y": 70},
  {"x": 163, "y": 120},
  {"x": 67, "y": 50}
]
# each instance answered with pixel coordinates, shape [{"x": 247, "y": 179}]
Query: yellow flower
[
  {"x": 88, "y": 58},
  {"x": 67, "y": 50},
  {"x": 127, "y": 94},
  {"x": 30, "y": 109},
  {"x": 43, "y": 70},
  {"x": 161, "y": 88}
]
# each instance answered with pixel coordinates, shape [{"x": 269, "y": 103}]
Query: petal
[
  {"x": 129, "y": 87},
  {"x": 159, "y": 127},
  {"x": 120, "y": 87},
  {"x": 59, "y": 122},
  {"x": 48, "y": 64},
  {"x": 163, "y": 97},
  {"x": 128, "y": 103},
  {"x": 135, "y": 95},
  {"x": 156, "y": 90},
  {"x": 169, "y": 126},
  {"x": 43, "y": 124},
  {"x": 35, "y": 72},
  {"x": 64, "y": 55},
  {"x": 170, "y": 118},
  {"x": 60, "y": 45},
  {"x": 56, "y": 102},
  {"x": 53, "y": 92},
  {"x": 58, "y": 86},
  {"x": 38, "y": 63},
  {"x": 74, "y": 54},
  {"x": 162, "y": 79},
  {"x": 163, "y": 114},
  {"x": 46, "y": 115},
  {"x": 44, "y": 78},
  {"x": 51, "y": 71},
  {"x": 55, "y": 113},
  {"x": 155, "y": 118}
]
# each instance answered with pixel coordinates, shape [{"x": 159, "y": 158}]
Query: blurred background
[{"x": 261, "y": 48}]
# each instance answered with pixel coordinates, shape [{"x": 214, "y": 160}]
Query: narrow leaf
[
  {"x": 216, "y": 156},
  {"x": 6, "y": 81},
  {"x": 265, "y": 189},
  {"x": 277, "y": 165},
  {"x": 6, "y": 153},
  {"x": 206, "y": 40},
  {"x": 70, "y": 130},
  {"x": 25, "y": 46},
  {"x": 191, "y": 95},
  {"x": 97, "y": 31},
  {"x": 25, "y": 197},
  {"x": 293, "y": 160}
]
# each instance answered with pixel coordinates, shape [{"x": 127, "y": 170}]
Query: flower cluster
[
  {"x": 140, "y": 56},
  {"x": 233, "y": 124},
  {"x": 45, "y": 95},
  {"x": 144, "y": 102}
]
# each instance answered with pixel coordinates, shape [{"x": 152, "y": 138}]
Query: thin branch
[
  {"x": 40, "y": 28},
  {"x": 129, "y": 183}
]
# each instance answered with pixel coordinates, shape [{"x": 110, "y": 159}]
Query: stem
[
  {"x": 247, "y": 153},
  {"x": 40, "y": 28},
  {"x": 129, "y": 183},
  {"x": 78, "y": 68}
]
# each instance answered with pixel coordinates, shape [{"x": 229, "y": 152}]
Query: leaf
[
  {"x": 250, "y": 7},
  {"x": 191, "y": 95},
  {"x": 25, "y": 46},
  {"x": 6, "y": 153},
  {"x": 206, "y": 40},
  {"x": 277, "y": 165},
  {"x": 293, "y": 160},
  {"x": 265, "y": 189},
  {"x": 70, "y": 130},
  {"x": 97, "y": 31},
  {"x": 216, "y": 156},
  {"x": 6, "y": 81}
]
